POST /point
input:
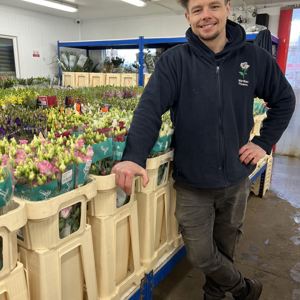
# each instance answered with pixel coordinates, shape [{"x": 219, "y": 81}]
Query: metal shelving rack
[
  {"x": 152, "y": 279},
  {"x": 139, "y": 43}
]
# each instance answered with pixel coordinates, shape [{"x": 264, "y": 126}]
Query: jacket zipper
[{"x": 221, "y": 133}]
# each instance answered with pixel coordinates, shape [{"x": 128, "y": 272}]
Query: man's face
[{"x": 208, "y": 18}]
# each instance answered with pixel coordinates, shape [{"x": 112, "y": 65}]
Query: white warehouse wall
[
  {"x": 36, "y": 32},
  {"x": 40, "y": 32},
  {"x": 153, "y": 26},
  {"x": 148, "y": 26}
]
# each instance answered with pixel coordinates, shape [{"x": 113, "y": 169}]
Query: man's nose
[{"x": 206, "y": 13}]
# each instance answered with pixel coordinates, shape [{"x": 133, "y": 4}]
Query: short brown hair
[{"x": 184, "y": 3}]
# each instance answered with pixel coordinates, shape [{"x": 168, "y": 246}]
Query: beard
[{"x": 209, "y": 38}]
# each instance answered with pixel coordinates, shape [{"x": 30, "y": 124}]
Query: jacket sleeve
[
  {"x": 156, "y": 99},
  {"x": 273, "y": 87}
]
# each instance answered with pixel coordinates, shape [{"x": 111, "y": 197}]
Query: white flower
[{"x": 245, "y": 66}]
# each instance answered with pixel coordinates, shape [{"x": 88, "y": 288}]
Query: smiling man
[{"x": 209, "y": 85}]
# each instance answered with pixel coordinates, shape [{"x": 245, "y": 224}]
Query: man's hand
[
  {"x": 125, "y": 172},
  {"x": 251, "y": 153}
]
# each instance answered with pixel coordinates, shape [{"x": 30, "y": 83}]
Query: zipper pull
[{"x": 218, "y": 69}]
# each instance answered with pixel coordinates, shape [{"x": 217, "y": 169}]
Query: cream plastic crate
[
  {"x": 105, "y": 203},
  {"x": 14, "y": 285},
  {"x": 146, "y": 78},
  {"x": 128, "y": 80},
  {"x": 82, "y": 79},
  {"x": 68, "y": 79},
  {"x": 260, "y": 186},
  {"x": 260, "y": 163},
  {"x": 64, "y": 273},
  {"x": 257, "y": 124},
  {"x": 175, "y": 238},
  {"x": 97, "y": 79},
  {"x": 113, "y": 79},
  {"x": 42, "y": 228},
  {"x": 9, "y": 224},
  {"x": 117, "y": 253},
  {"x": 153, "y": 215},
  {"x": 158, "y": 169}
]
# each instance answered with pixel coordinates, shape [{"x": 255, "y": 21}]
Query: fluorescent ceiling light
[
  {"x": 53, "y": 4},
  {"x": 139, "y": 3}
]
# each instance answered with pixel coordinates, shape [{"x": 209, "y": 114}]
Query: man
[{"x": 209, "y": 85}]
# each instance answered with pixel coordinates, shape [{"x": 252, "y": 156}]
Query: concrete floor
[{"x": 269, "y": 249}]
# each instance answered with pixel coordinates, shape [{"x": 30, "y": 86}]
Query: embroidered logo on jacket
[{"x": 243, "y": 72}]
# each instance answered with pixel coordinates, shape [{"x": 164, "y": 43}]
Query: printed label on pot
[{"x": 67, "y": 177}]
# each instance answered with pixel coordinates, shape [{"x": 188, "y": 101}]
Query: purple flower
[{"x": 18, "y": 122}]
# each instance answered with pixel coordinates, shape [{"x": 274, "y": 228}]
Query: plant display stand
[
  {"x": 97, "y": 79},
  {"x": 57, "y": 220},
  {"x": 128, "y": 79},
  {"x": 153, "y": 212},
  {"x": 82, "y": 79},
  {"x": 68, "y": 79},
  {"x": 158, "y": 172},
  {"x": 10, "y": 223},
  {"x": 257, "y": 125},
  {"x": 116, "y": 239},
  {"x": 175, "y": 238},
  {"x": 65, "y": 272},
  {"x": 262, "y": 184},
  {"x": 146, "y": 78},
  {"x": 14, "y": 285},
  {"x": 113, "y": 79}
]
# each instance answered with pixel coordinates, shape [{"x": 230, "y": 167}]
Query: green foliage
[
  {"x": 9, "y": 82},
  {"x": 117, "y": 61}
]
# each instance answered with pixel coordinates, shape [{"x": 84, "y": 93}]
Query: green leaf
[{"x": 241, "y": 73}]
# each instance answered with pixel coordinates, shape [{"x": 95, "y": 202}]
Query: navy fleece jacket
[{"x": 211, "y": 101}]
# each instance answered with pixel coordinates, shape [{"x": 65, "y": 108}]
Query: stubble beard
[{"x": 209, "y": 38}]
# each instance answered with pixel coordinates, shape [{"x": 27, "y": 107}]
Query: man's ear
[
  {"x": 187, "y": 16},
  {"x": 228, "y": 7}
]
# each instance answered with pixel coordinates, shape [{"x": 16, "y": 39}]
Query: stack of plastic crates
[
  {"x": 13, "y": 284},
  {"x": 114, "y": 221},
  {"x": 154, "y": 212},
  {"x": 56, "y": 247}
]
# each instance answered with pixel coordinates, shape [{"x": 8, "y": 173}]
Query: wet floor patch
[
  {"x": 286, "y": 179},
  {"x": 296, "y": 240},
  {"x": 296, "y": 218},
  {"x": 295, "y": 272},
  {"x": 296, "y": 294}
]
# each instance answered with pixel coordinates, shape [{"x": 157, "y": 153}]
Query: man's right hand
[{"x": 125, "y": 172}]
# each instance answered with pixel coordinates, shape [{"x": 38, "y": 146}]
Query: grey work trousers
[{"x": 210, "y": 221}]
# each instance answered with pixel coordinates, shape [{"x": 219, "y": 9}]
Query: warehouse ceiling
[{"x": 101, "y": 9}]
